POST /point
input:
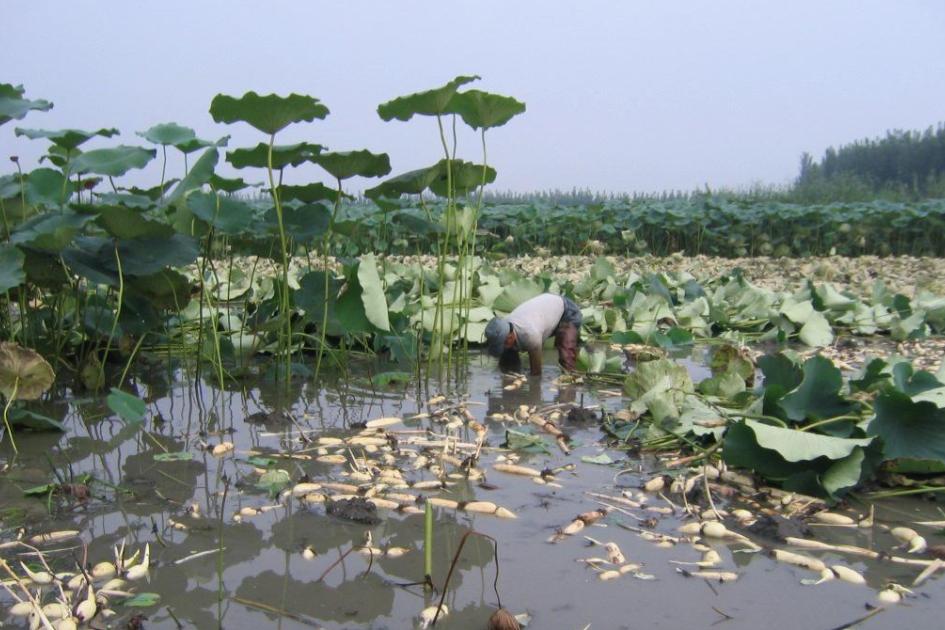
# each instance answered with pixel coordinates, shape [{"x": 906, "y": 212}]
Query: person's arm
[{"x": 534, "y": 360}]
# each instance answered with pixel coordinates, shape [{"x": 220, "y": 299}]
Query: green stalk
[
  {"x": 163, "y": 169},
  {"x": 121, "y": 297},
  {"x": 286, "y": 343},
  {"x": 6, "y": 410},
  {"x": 326, "y": 243}
]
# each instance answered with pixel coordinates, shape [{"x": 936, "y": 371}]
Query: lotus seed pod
[
  {"x": 847, "y": 574},
  {"x": 502, "y": 620},
  {"x": 714, "y": 529}
]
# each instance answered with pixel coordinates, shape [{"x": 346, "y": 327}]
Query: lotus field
[{"x": 230, "y": 401}]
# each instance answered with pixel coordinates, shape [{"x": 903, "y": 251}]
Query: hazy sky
[{"x": 621, "y": 95}]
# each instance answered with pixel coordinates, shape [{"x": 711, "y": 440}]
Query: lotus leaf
[
  {"x": 482, "y": 110},
  {"x": 347, "y": 164},
  {"x": 127, "y": 406},
  {"x": 372, "y": 293},
  {"x": 168, "y": 133},
  {"x": 112, "y": 162},
  {"x": 197, "y": 176},
  {"x": 268, "y": 113},
  {"x": 908, "y": 428},
  {"x": 68, "y": 139},
  {"x": 11, "y": 267},
  {"x": 282, "y": 155},
  {"x": 14, "y": 107},
  {"x": 24, "y": 373},
  {"x": 433, "y": 102}
]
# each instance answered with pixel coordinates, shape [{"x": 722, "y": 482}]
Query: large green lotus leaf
[
  {"x": 909, "y": 429},
  {"x": 168, "y": 133},
  {"x": 146, "y": 256},
  {"x": 10, "y": 186},
  {"x": 44, "y": 269},
  {"x": 48, "y": 187},
  {"x": 516, "y": 293},
  {"x": 268, "y": 113},
  {"x": 14, "y": 107},
  {"x": 167, "y": 289},
  {"x": 660, "y": 387},
  {"x": 348, "y": 316},
  {"x": 464, "y": 176},
  {"x": 128, "y": 200},
  {"x": 24, "y": 373},
  {"x": 282, "y": 155},
  {"x": 482, "y": 110},
  {"x": 93, "y": 258},
  {"x": 816, "y": 331},
  {"x": 347, "y": 164},
  {"x": 50, "y": 231},
  {"x": 429, "y": 103},
  {"x": 409, "y": 183},
  {"x": 197, "y": 176},
  {"x": 372, "y": 293},
  {"x": 818, "y": 395},
  {"x": 303, "y": 223},
  {"x": 910, "y": 382},
  {"x": 797, "y": 446},
  {"x": 309, "y": 193},
  {"x": 310, "y": 296},
  {"x": 153, "y": 193},
  {"x": 228, "y": 215},
  {"x": 123, "y": 222},
  {"x": 802, "y": 462},
  {"x": 112, "y": 162},
  {"x": 195, "y": 144},
  {"x": 68, "y": 139},
  {"x": 228, "y": 184},
  {"x": 416, "y": 225},
  {"x": 11, "y": 267},
  {"x": 60, "y": 156},
  {"x": 780, "y": 370}
]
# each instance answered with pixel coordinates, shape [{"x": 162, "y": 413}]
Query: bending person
[{"x": 533, "y": 321}]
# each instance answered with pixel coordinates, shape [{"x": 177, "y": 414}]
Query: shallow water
[{"x": 262, "y": 565}]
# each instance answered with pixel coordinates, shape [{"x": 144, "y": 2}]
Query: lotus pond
[{"x": 228, "y": 409}]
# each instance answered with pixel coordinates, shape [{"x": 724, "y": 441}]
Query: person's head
[{"x": 499, "y": 336}]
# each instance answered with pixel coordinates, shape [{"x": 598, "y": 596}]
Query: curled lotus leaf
[
  {"x": 433, "y": 102},
  {"x": 14, "y": 107},
  {"x": 114, "y": 161},
  {"x": 268, "y": 113},
  {"x": 24, "y": 373},
  {"x": 483, "y": 110},
  {"x": 282, "y": 155},
  {"x": 347, "y": 164},
  {"x": 168, "y": 134},
  {"x": 68, "y": 139}
]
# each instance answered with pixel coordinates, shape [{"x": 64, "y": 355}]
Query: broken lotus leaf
[{"x": 24, "y": 373}]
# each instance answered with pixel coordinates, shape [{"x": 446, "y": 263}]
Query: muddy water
[{"x": 261, "y": 578}]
